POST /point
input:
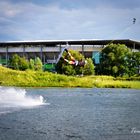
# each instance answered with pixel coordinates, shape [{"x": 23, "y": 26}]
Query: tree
[
  {"x": 134, "y": 63},
  {"x": 31, "y": 64},
  {"x": 23, "y": 63},
  {"x": 19, "y": 63},
  {"x": 65, "y": 68},
  {"x": 14, "y": 63},
  {"x": 115, "y": 60},
  {"x": 136, "y": 60},
  {"x": 38, "y": 64},
  {"x": 89, "y": 67},
  {"x": 68, "y": 70}
]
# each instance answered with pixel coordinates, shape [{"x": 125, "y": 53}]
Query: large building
[{"x": 49, "y": 50}]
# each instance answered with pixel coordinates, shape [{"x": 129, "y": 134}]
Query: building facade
[{"x": 48, "y": 51}]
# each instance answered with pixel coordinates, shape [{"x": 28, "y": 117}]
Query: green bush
[
  {"x": 31, "y": 64},
  {"x": 89, "y": 67},
  {"x": 23, "y": 63},
  {"x": 68, "y": 70},
  {"x": 38, "y": 64},
  {"x": 19, "y": 63},
  {"x": 14, "y": 63}
]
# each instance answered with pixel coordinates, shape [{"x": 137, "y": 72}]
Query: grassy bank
[{"x": 10, "y": 77}]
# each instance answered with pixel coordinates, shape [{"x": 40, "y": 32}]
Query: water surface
[{"x": 69, "y": 114}]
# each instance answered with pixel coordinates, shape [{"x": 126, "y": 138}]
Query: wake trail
[{"x": 14, "y": 98}]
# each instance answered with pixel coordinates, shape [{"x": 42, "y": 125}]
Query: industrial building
[{"x": 49, "y": 50}]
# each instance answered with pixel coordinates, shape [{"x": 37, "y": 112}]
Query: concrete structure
[{"x": 48, "y": 50}]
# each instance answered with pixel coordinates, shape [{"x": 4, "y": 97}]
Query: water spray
[{"x": 11, "y": 98}]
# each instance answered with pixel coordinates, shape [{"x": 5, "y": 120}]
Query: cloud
[
  {"x": 8, "y": 10},
  {"x": 28, "y": 21},
  {"x": 122, "y": 4}
]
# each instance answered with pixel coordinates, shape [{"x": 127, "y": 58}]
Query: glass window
[{"x": 96, "y": 57}]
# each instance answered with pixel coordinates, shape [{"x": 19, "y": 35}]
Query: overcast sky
[{"x": 69, "y": 19}]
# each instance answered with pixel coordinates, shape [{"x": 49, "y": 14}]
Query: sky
[{"x": 69, "y": 19}]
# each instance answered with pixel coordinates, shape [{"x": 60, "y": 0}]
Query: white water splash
[{"x": 14, "y": 97}]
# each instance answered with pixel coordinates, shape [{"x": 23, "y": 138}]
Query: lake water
[{"x": 69, "y": 114}]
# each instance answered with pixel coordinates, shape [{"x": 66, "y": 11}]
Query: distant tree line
[
  {"x": 21, "y": 63},
  {"x": 115, "y": 60}
]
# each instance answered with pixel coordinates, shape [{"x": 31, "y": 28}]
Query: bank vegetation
[{"x": 30, "y": 78}]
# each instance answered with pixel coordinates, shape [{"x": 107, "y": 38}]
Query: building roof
[{"x": 129, "y": 42}]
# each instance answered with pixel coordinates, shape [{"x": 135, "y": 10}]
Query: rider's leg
[{"x": 70, "y": 62}]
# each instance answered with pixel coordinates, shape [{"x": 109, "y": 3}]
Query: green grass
[{"x": 9, "y": 77}]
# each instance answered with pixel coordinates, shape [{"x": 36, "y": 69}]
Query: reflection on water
[{"x": 77, "y": 114}]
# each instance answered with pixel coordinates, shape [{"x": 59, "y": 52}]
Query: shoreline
[{"x": 36, "y": 79}]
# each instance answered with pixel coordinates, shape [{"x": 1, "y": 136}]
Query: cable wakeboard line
[
  {"x": 126, "y": 29},
  {"x": 61, "y": 53},
  {"x": 73, "y": 61}
]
